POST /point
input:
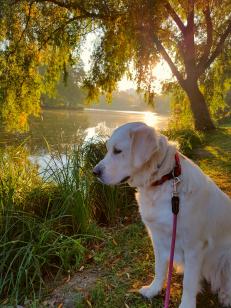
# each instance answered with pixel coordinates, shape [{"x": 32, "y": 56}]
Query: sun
[{"x": 162, "y": 71}]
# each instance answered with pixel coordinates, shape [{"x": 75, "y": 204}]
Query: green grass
[
  {"x": 47, "y": 220},
  {"x": 214, "y": 156},
  {"x": 127, "y": 261},
  {"x": 37, "y": 239}
]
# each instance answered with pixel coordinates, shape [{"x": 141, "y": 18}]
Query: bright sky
[{"x": 161, "y": 71}]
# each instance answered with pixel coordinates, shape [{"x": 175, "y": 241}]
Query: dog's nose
[{"x": 97, "y": 171}]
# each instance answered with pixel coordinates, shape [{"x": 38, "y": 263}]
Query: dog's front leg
[
  {"x": 192, "y": 275},
  {"x": 161, "y": 263}
]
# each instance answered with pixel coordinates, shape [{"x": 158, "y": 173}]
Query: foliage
[
  {"x": 216, "y": 85},
  {"x": 30, "y": 64},
  {"x": 40, "y": 38},
  {"x": 68, "y": 92},
  {"x": 187, "y": 138},
  {"x": 47, "y": 220}
]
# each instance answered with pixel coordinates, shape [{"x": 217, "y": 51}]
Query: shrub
[{"x": 186, "y": 138}]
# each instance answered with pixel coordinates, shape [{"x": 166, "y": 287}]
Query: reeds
[{"x": 46, "y": 220}]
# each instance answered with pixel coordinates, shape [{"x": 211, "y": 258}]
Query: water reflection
[{"x": 60, "y": 129}]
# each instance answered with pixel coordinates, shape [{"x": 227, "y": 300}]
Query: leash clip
[
  {"x": 176, "y": 180},
  {"x": 175, "y": 196}
]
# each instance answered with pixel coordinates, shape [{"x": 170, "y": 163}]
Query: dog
[{"x": 140, "y": 156}]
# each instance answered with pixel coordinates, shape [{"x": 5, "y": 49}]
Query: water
[{"x": 58, "y": 129}]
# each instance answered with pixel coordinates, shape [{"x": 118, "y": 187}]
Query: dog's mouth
[
  {"x": 125, "y": 179},
  {"x": 102, "y": 181}
]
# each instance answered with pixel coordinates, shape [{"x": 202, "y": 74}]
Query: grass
[
  {"x": 35, "y": 239},
  {"x": 51, "y": 223},
  {"x": 214, "y": 156},
  {"x": 127, "y": 261},
  {"x": 47, "y": 220}
]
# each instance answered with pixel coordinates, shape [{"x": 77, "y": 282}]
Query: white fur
[{"x": 203, "y": 245}]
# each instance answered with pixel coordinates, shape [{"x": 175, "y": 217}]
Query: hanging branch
[{"x": 209, "y": 31}]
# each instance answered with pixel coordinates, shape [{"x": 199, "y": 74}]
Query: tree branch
[
  {"x": 175, "y": 17},
  {"x": 27, "y": 23},
  {"x": 60, "y": 28},
  {"x": 76, "y": 6},
  {"x": 216, "y": 51},
  {"x": 167, "y": 58},
  {"x": 189, "y": 38},
  {"x": 209, "y": 30}
]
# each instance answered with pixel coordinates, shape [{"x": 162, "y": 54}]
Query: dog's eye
[{"x": 116, "y": 151}]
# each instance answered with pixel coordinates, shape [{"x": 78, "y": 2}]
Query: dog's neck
[{"x": 161, "y": 163}]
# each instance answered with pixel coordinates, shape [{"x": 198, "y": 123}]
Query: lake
[{"x": 59, "y": 129}]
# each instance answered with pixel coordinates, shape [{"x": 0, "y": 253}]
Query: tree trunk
[{"x": 202, "y": 118}]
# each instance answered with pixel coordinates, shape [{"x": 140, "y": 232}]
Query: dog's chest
[
  {"x": 156, "y": 213},
  {"x": 155, "y": 208}
]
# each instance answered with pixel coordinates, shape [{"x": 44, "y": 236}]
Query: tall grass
[
  {"x": 35, "y": 238},
  {"x": 107, "y": 203},
  {"x": 46, "y": 218}
]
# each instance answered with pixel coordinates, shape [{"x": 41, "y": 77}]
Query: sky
[{"x": 161, "y": 71}]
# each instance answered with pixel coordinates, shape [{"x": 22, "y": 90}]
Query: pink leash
[
  {"x": 170, "y": 267},
  {"x": 175, "y": 210},
  {"x": 174, "y": 174}
]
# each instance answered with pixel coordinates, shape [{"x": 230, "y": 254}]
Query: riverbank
[{"x": 65, "y": 222}]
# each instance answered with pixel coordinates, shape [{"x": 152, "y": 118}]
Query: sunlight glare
[
  {"x": 150, "y": 118},
  {"x": 162, "y": 71}
]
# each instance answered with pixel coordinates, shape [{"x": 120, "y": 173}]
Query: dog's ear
[{"x": 144, "y": 144}]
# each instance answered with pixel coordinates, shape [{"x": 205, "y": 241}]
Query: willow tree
[{"x": 132, "y": 37}]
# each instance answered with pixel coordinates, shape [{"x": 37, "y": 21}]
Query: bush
[{"x": 187, "y": 138}]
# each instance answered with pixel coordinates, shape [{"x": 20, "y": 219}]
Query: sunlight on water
[
  {"x": 61, "y": 130},
  {"x": 106, "y": 127},
  {"x": 100, "y": 129},
  {"x": 150, "y": 118}
]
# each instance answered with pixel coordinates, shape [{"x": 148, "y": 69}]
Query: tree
[
  {"x": 132, "y": 36},
  {"x": 68, "y": 92}
]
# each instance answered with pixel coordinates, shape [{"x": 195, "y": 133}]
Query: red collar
[{"x": 174, "y": 173}]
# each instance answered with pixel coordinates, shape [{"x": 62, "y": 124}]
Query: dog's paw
[
  {"x": 149, "y": 291},
  {"x": 187, "y": 305}
]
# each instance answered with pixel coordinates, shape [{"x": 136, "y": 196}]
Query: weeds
[{"x": 47, "y": 220}]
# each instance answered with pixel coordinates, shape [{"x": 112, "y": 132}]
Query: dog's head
[{"x": 128, "y": 149}]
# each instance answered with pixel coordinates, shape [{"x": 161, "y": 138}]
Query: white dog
[{"x": 140, "y": 156}]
